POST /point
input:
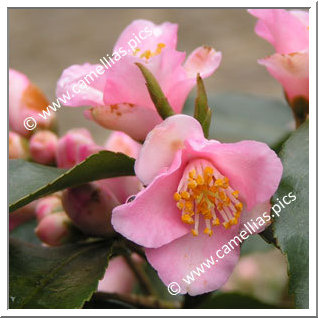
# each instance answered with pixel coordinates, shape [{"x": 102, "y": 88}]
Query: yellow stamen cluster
[
  {"x": 204, "y": 191},
  {"x": 148, "y": 54}
]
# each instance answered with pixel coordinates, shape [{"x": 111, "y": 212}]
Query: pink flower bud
[
  {"x": 89, "y": 206},
  {"x": 43, "y": 147},
  {"x": 56, "y": 229},
  {"x": 48, "y": 205},
  {"x": 26, "y": 100},
  {"x": 18, "y": 146},
  {"x": 75, "y": 147},
  {"x": 120, "y": 142}
]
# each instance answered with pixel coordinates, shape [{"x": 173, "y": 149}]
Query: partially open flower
[
  {"x": 118, "y": 94},
  {"x": 200, "y": 193},
  {"x": 26, "y": 100},
  {"x": 288, "y": 32},
  {"x": 43, "y": 146},
  {"x": 18, "y": 146}
]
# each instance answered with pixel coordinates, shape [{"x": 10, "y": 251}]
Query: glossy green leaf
[
  {"x": 29, "y": 181},
  {"x": 202, "y": 111},
  {"x": 55, "y": 277},
  {"x": 292, "y": 226},
  {"x": 240, "y": 117},
  {"x": 233, "y": 301}
]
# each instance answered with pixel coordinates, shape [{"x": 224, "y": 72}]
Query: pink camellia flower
[
  {"x": 75, "y": 146},
  {"x": 26, "y": 100},
  {"x": 199, "y": 194},
  {"x": 90, "y": 205},
  {"x": 288, "y": 32},
  {"x": 43, "y": 146},
  {"x": 117, "y": 92},
  {"x": 18, "y": 146}
]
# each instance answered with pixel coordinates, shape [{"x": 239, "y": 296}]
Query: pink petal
[
  {"x": 148, "y": 34},
  {"x": 126, "y": 118},
  {"x": 204, "y": 60},
  {"x": 152, "y": 218},
  {"x": 162, "y": 143},
  {"x": 82, "y": 85},
  {"x": 120, "y": 142},
  {"x": 179, "y": 258},
  {"x": 283, "y": 29},
  {"x": 122, "y": 187},
  {"x": 292, "y": 71},
  {"x": 303, "y": 16},
  {"x": 252, "y": 168},
  {"x": 261, "y": 210}
]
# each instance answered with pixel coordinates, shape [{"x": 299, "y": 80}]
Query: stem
[
  {"x": 136, "y": 248},
  {"x": 135, "y": 300},
  {"x": 140, "y": 274}
]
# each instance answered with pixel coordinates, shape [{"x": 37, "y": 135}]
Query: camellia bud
[
  {"x": 56, "y": 229},
  {"x": 89, "y": 206},
  {"x": 48, "y": 205},
  {"x": 75, "y": 147},
  {"x": 43, "y": 146},
  {"x": 26, "y": 100},
  {"x": 18, "y": 146}
]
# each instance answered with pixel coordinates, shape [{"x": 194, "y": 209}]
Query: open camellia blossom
[
  {"x": 200, "y": 193},
  {"x": 288, "y": 32},
  {"x": 26, "y": 100},
  {"x": 119, "y": 96}
]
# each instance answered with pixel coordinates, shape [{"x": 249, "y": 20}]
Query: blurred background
[{"x": 43, "y": 42}]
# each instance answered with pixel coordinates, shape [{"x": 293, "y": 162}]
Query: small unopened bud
[
  {"x": 18, "y": 146},
  {"x": 48, "y": 205},
  {"x": 43, "y": 146},
  {"x": 89, "y": 206},
  {"x": 56, "y": 229},
  {"x": 75, "y": 147}
]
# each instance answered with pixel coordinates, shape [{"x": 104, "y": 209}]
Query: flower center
[
  {"x": 204, "y": 190},
  {"x": 148, "y": 54}
]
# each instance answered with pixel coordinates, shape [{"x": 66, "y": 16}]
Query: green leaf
[
  {"x": 158, "y": 97},
  {"x": 29, "y": 181},
  {"x": 233, "y": 301},
  {"x": 55, "y": 277},
  {"x": 25, "y": 232},
  {"x": 255, "y": 244},
  {"x": 202, "y": 111},
  {"x": 238, "y": 117},
  {"x": 292, "y": 226}
]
